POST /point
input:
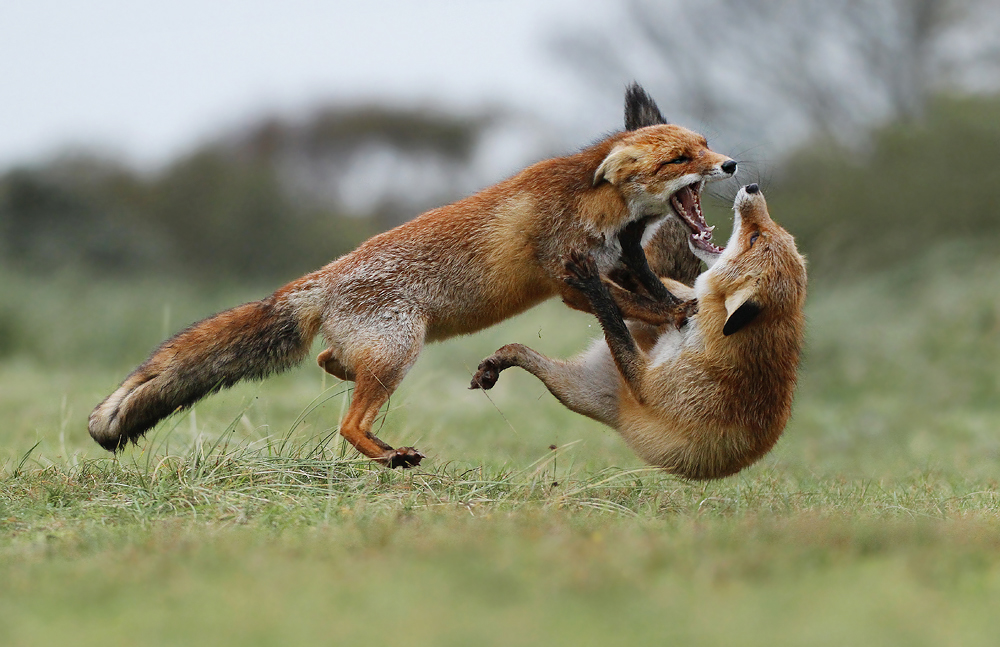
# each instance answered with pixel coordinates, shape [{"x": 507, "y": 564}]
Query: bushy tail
[{"x": 248, "y": 342}]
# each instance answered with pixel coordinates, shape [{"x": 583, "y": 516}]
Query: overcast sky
[{"x": 148, "y": 79}]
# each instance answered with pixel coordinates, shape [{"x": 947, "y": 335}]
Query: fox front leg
[
  {"x": 640, "y": 307},
  {"x": 582, "y": 274},
  {"x": 637, "y": 265}
]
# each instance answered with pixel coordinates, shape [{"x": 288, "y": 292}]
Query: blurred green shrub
[
  {"x": 249, "y": 207},
  {"x": 916, "y": 187},
  {"x": 209, "y": 217},
  {"x": 227, "y": 212}
]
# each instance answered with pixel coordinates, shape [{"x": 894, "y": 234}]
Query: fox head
[
  {"x": 650, "y": 170},
  {"x": 760, "y": 273},
  {"x": 652, "y": 164}
]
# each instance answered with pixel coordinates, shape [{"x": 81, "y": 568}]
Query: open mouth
[{"x": 687, "y": 205}]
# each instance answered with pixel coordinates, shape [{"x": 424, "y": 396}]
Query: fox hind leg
[
  {"x": 587, "y": 385},
  {"x": 377, "y": 372},
  {"x": 330, "y": 363},
  {"x": 371, "y": 391}
]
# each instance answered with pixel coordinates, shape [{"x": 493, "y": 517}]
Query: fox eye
[
  {"x": 753, "y": 237},
  {"x": 683, "y": 159}
]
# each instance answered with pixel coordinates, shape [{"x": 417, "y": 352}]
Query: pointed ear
[
  {"x": 614, "y": 168},
  {"x": 640, "y": 109},
  {"x": 741, "y": 309}
]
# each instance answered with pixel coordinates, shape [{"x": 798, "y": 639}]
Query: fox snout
[
  {"x": 750, "y": 205},
  {"x": 722, "y": 167},
  {"x": 748, "y": 194}
]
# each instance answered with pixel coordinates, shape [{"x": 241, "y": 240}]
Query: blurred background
[{"x": 161, "y": 161}]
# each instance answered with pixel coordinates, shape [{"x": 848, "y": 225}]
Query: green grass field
[{"x": 246, "y": 521}]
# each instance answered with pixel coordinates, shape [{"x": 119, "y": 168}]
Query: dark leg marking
[
  {"x": 635, "y": 261},
  {"x": 582, "y": 274}
]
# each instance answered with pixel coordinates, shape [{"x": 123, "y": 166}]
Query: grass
[
  {"x": 247, "y": 545},
  {"x": 247, "y": 522}
]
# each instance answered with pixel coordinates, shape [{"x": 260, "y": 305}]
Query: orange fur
[
  {"x": 712, "y": 397},
  {"x": 451, "y": 271}
]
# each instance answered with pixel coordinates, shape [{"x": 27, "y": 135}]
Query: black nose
[
  {"x": 752, "y": 188},
  {"x": 729, "y": 167}
]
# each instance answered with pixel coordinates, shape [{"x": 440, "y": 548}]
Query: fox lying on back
[{"x": 702, "y": 387}]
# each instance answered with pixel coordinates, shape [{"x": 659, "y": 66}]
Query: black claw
[
  {"x": 486, "y": 376},
  {"x": 405, "y": 457},
  {"x": 581, "y": 271}
]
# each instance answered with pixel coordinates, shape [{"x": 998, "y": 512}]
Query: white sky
[{"x": 147, "y": 79}]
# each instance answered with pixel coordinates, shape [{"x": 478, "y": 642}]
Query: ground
[{"x": 246, "y": 521}]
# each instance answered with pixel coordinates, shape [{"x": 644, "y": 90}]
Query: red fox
[
  {"x": 701, "y": 387},
  {"x": 451, "y": 271}
]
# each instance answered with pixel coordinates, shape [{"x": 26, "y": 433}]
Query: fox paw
[
  {"x": 404, "y": 457},
  {"x": 487, "y": 374},
  {"x": 683, "y": 312},
  {"x": 580, "y": 271}
]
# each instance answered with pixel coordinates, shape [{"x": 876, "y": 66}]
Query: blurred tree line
[
  {"x": 923, "y": 185},
  {"x": 263, "y": 205},
  {"x": 774, "y": 72},
  {"x": 256, "y": 205}
]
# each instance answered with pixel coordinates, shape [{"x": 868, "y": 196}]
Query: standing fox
[
  {"x": 704, "y": 387},
  {"x": 451, "y": 271}
]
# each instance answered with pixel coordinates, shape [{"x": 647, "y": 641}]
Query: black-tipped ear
[
  {"x": 741, "y": 317},
  {"x": 640, "y": 109}
]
